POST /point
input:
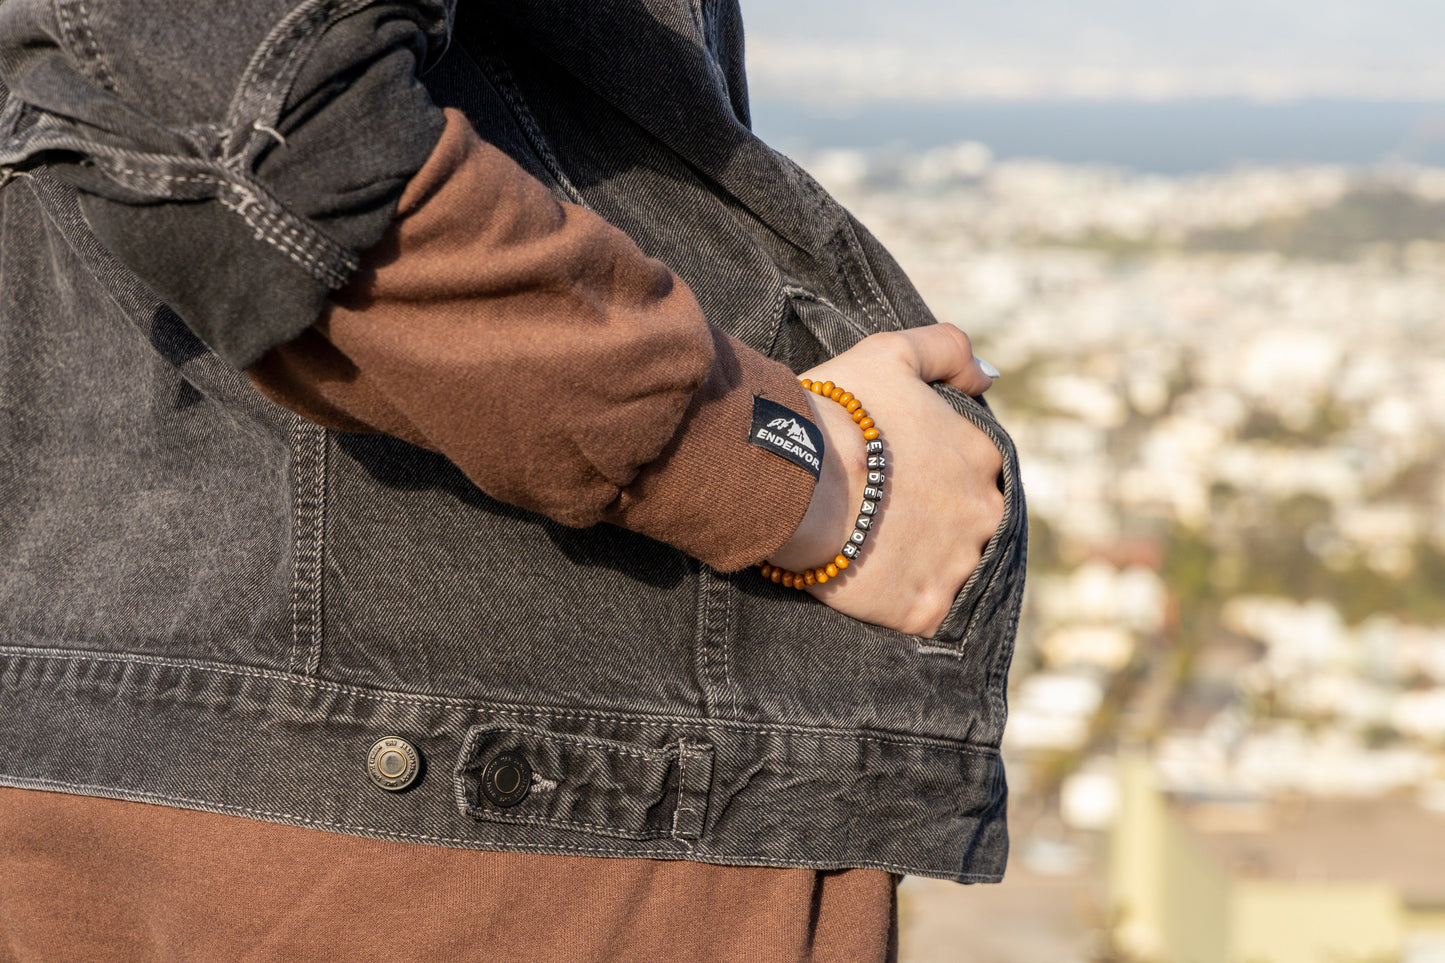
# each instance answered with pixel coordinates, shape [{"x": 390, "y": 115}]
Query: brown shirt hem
[{"x": 84, "y": 878}]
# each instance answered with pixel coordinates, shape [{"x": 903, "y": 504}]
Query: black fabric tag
[{"x": 783, "y": 431}]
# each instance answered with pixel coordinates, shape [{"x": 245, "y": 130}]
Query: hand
[{"x": 941, "y": 501}]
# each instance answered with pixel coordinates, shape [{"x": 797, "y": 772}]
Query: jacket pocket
[
  {"x": 986, "y": 608},
  {"x": 989, "y": 601}
]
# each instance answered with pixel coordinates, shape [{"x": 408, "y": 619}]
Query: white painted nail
[{"x": 985, "y": 367}]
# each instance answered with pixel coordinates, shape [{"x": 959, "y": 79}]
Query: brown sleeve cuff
[{"x": 711, "y": 493}]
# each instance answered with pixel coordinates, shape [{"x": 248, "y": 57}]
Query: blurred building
[{"x": 1186, "y": 894}]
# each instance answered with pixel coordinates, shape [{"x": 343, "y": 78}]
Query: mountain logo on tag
[
  {"x": 795, "y": 431},
  {"x": 786, "y": 434}
]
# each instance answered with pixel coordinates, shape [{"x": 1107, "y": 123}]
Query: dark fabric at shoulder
[{"x": 241, "y": 165}]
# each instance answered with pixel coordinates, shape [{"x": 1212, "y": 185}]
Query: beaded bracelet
[{"x": 872, "y": 495}]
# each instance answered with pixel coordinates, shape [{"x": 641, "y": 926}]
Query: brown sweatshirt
[
  {"x": 126, "y": 882},
  {"x": 559, "y": 367}
]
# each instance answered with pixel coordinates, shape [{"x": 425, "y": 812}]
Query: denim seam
[
  {"x": 463, "y": 842},
  {"x": 75, "y": 25},
  {"x": 399, "y": 698},
  {"x": 646, "y": 755},
  {"x": 250, "y": 124},
  {"x": 236, "y": 191},
  {"x": 712, "y": 586},
  {"x": 267, "y": 78},
  {"x": 288, "y": 233},
  {"x": 681, "y": 786},
  {"x": 860, "y": 264},
  {"x": 505, "y": 82},
  {"x": 687, "y": 794},
  {"x": 318, "y": 547},
  {"x": 308, "y": 490},
  {"x": 734, "y": 693},
  {"x": 207, "y": 179},
  {"x": 803, "y": 294},
  {"x": 492, "y": 816},
  {"x": 848, "y": 257}
]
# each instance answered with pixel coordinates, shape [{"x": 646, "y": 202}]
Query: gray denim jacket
[{"x": 207, "y": 602}]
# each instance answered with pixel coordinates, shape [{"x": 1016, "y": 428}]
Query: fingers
[{"x": 942, "y": 352}]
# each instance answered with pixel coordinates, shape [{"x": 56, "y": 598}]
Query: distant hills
[{"x": 1166, "y": 137}]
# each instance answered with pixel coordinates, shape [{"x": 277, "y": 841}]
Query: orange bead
[
  {"x": 828, "y": 388},
  {"x": 844, "y": 398},
  {"x": 822, "y": 577},
  {"x": 777, "y": 575},
  {"x": 854, "y": 405},
  {"x": 865, "y": 423},
  {"x": 815, "y": 388},
  {"x": 806, "y": 382},
  {"x": 788, "y": 579},
  {"x": 767, "y": 570},
  {"x": 836, "y": 394},
  {"x": 810, "y": 577},
  {"x": 859, "y": 415},
  {"x": 841, "y": 561},
  {"x": 871, "y": 433},
  {"x": 832, "y": 569}
]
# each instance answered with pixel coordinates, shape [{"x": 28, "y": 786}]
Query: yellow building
[{"x": 1178, "y": 899}]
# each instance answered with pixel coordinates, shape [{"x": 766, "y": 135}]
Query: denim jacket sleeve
[{"x": 236, "y": 156}]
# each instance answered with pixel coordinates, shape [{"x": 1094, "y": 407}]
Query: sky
[{"x": 842, "y": 52}]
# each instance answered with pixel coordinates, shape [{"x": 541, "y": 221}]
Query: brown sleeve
[{"x": 560, "y": 368}]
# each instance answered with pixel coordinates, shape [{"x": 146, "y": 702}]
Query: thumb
[{"x": 942, "y": 352}]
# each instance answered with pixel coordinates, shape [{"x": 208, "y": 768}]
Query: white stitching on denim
[
  {"x": 397, "y": 698},
  {"x": 102, "y": 69},
  {"x": 270, "y": 65},
  {"x": 75, "y": 26},
  {"x": 269, "y": 131},
  {"x": 273, "y": 228},
  {"x": 253, "y": 207},
  {"x": 493, "y": 816},
  {"x": 681, "y": 783},
  {"x": 477, "y": 733},
  {"x": 309, "y": 454},
  {"x": 294, "y": 661},
  {"x": 208, "y": 179},
  {"x": 318, "y": 494},
  {"x": 860, "y": 263},
  {"x": 20, "y": 782}
]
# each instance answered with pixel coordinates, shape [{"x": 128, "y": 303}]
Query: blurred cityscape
[{"x": 1227, "y": 716}]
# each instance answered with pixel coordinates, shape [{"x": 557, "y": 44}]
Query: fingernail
[{"x": 985, "y": 367}]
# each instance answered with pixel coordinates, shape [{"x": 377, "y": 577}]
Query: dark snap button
[
  {"x": 506, "y": 779},
  {"x": 393, "y": 763}
]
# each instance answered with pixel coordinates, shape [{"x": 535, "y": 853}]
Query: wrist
[{"x": 834, "y": 506}]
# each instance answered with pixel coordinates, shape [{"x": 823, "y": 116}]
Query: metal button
[
  {"x": 393, "y": 763},
  {"x": 506, "y": 779}
]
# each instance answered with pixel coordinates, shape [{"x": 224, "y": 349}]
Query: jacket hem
[{"x": 290, "y": 749}]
